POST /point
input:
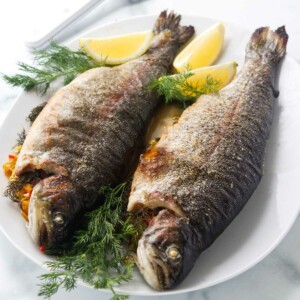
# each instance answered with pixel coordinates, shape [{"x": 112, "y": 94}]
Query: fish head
[
  {"x": 167, "y": 250},
  {"x": 54, "y": 204}
]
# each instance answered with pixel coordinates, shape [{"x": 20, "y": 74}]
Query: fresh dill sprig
[
  {"x": 56, "y": 62},
  {"x": 16, "y": 184},
  {"x": 97, "y": 256},
  {"x": 21, "y": 138},
  {"x": 35, "y": 112},
  {"x": 178, "y": 89}
]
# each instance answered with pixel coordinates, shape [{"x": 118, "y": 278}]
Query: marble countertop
[{"x": 277, "y": 277}]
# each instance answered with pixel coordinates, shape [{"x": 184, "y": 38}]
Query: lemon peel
[
  {"x": 201, "y": 51},
  {"x": 117, "y": 49}
]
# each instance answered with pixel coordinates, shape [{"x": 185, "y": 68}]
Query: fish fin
[
  {"x": 167, "y": 29},
  {"x": 274, "y": 91},
  {"x": 268, "y": 44}
]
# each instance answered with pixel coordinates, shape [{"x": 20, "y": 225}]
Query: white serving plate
[{"x": 266, "y": 218}]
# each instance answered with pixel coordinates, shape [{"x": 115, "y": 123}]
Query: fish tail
[
  {"x": 167, "y": 29},
  {"x": 268, "y": 44}
]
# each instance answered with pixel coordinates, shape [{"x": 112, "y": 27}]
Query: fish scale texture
[
  {"x": 90, "y": 129},
  {"x": 207, "y": 165}
]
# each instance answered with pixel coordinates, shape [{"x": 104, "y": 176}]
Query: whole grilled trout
[
  {"x": 88, "y": 133},
  {"x": 205, "y": 168}
]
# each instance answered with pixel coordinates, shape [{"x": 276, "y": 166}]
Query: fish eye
[
  {"x": 58, "y": 218},
  {"x": 173, "y": 252}
]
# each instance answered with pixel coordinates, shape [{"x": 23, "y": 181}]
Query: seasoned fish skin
[
  {"x": 91, "y": 127},
  {"x": 206, "y": 167},
  {"x": 88, "y": 134}
]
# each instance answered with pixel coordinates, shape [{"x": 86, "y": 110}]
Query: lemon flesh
[
  {"x": 202, "y": 51},
  {"x": 222, "y": 74},
  {"x": 118, "y": 49}
]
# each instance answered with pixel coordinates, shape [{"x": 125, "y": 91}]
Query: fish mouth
[
  {"x": 44, "y": 236},
  {"x": 152, "y": 267},
  {"x": 39, "y": 221}
]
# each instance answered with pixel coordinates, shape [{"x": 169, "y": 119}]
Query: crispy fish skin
[
  {"x": 89, "y": 130},
  {"x": 89, "y": 126},
  {"x": 206, "y": 167}
]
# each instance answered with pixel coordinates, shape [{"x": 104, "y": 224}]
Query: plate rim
[{"x": 238, "y": 272}]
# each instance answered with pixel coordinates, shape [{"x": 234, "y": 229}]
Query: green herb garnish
[
  {"x": 55, "y": 62},
  {"x": 15, "y": 185},
  {"x": 178, "y": 89},
  {"x": 21, "y": 138},
  {"x": 35, "y": 112},
  {"x": 97, "y": 256}
]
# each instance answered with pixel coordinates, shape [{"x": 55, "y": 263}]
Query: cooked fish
[
  {"x": 88, "y": 133},
  {"x": 205, "y": 168}
]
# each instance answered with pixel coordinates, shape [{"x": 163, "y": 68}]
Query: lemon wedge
[
  {"x": 213, "y": 78},
  {"x": 117, "y": 49},
  {"x": 202, "y": 51}
]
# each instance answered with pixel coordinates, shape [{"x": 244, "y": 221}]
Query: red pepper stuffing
[{"x": 42, "y": 248}]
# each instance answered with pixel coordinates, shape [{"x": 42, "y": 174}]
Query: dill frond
[
  {"x": 21, "y": 138},
  {"x": 35, "y": 112},
  {"x": 97, "y": 255},
  {"x": 15, "y": 185},
  {"x": 179, "y": 89},
  {"x": 56, "y": 62}
]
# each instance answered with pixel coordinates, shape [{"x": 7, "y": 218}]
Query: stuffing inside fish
[
  {"x": 206, "y": 166},
  {"x": 90, "y": 134}
]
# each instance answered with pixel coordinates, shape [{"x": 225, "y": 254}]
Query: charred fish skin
[
  {"x": 167, "y": 250},
  {"x": 207, "y": 166},
  {"x": 89, "y": 129}
]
